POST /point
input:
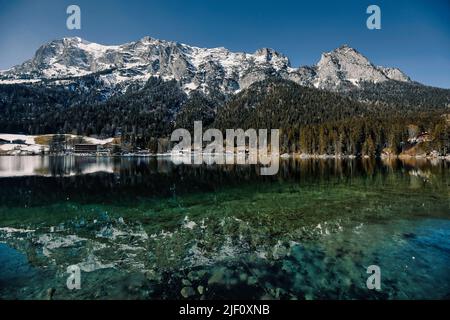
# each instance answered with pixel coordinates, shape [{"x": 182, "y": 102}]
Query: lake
[{"x": 145, "y": 228}]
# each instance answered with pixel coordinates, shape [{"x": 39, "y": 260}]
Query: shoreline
[{"x": 281, "y": 156}]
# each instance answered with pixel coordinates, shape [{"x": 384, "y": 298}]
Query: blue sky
[{"x": 415, "y": 35}]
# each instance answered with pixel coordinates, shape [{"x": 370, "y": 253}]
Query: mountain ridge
[{"x": 195, "y": 68}]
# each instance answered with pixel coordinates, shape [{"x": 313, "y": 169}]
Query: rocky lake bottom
[{"x": 149, "y": 229}]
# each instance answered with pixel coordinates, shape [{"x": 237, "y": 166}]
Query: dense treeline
[
  {"x": 319, "y": 122},
  {"x": 311, "y": 121},
  {"x": 197, "y": 108},
  {"x": 413, "y": 96},
  {"x": 149, "y": 111},
  {"x": 281, "y": 104},
  {"x": 367, "y": 136}
]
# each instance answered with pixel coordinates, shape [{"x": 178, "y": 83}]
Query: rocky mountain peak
[
  {"x": 345, "y": 66},
  {"x": 268, "y": 55},
  {"x": 193, "y": 67}
]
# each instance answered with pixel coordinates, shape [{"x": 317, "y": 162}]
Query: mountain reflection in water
[{"x": 147, "y": 228}]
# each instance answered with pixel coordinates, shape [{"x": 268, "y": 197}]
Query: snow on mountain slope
[
  {"x": 194, "y": 68},
  {"x": 395, "y": 74},
  {"x": 345, "y": 64}
]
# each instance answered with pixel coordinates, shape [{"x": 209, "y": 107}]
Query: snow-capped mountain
[
  {"x": 194, "y": 68},
  {"x": 345, "y": 64}
]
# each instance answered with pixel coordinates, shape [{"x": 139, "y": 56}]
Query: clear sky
[{"x": 415, "y": 34}]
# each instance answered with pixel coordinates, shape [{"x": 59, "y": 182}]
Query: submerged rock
[
  {"x": 217, "y": 277},
  {"x": 186, "y": 282},
  {"x": 200, "y": 289},
  {"x": 50, "y": 293},
  {"x": 187, "y": 292},
  {"x": 251, "y": 281}
]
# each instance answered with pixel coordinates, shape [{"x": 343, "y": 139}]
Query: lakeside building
[{"x": 85, "y": 148}]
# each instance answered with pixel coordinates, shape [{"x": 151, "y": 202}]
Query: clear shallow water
[{"x": 147, "y": 229}]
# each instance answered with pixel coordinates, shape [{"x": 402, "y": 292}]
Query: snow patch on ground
[
  {"x": 98, "y": 141},
  {"x": 29, "y": 145},
  {"x": 12, "y": 137}
]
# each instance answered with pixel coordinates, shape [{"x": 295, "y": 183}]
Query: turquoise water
[{"x": 148, "y": 229}]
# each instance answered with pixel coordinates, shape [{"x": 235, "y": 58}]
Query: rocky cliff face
[{"x": 194, "y": 68}]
